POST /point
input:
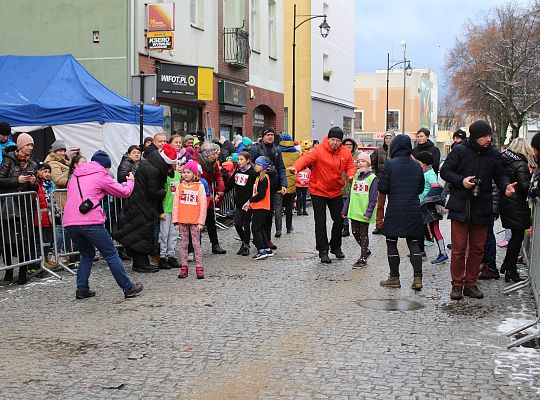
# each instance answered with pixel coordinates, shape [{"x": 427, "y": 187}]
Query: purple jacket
[{"x": 95, "y": 183}]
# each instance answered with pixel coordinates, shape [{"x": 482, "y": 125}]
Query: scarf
[
  {"x": 206, "y": 164},
  {"x": 244, "y": 169}
]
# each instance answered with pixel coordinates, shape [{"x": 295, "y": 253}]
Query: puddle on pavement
[
  {"x": 295, "y": 256},
  {"x": 391, "y": 304}
]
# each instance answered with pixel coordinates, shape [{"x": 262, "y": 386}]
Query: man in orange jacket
[{"x": 328, "y": 162}]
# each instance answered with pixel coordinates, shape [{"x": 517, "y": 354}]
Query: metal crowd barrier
[
  {"x": 531, "y": 257},
  {"x": 22, "y": 238},
  {"x": 64, "y": 247},
  {"x": 226, "y": 209}
]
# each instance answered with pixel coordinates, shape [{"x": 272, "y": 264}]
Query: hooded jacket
[
  {"x": 470, "y": 159},
  {"x": 136, "y": 227},
  {"x": 431, "y": 148},
  {"x": 327, "y": 167},
  {"x": 290, "y": 154},
  {"x": 95, "y": 183},
  {"x": 402, "y": 181},
  {"x": 514, "y": 211},
  {"x": 278, "y": 179}
]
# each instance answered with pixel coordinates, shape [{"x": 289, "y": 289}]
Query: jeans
[
  {"x": 490, "y": 249},
  {"x": 168, "y": 237},
  {"x": 467, "y": 252},
  {"x": 345, "y": 220},
  {"x": 284, "y": 202},
  {"x": 301, "y": 199},
  {"x": 88, "y": 238},
  {"x": 319, "y": 211}
]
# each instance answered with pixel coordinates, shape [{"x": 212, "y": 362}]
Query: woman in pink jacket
[{"x": 84, "y": 221}]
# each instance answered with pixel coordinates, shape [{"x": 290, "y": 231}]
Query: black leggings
[
  {"x": 360, "y": 233},
  {"x": 242, "y": 221},
  {"x": 260, "y": 240},
  {"x": 393, "y": 255},
  {"x": 513, "y": 248}
]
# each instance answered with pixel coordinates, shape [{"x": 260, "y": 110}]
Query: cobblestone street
[{"x": 277, "y": 328}]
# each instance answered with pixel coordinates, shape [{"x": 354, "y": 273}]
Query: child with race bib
[
  {"x": 361, "y": 207},
  {"x": 189, "y": 214}
]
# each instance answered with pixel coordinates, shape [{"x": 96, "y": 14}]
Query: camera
[
  {"x": 476, "y": 188},
  {"x": 86, "y": 206}
]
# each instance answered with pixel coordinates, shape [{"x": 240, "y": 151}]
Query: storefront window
[
  {"x": 180, "y": 119},
  {"x": 230, "y": 125}
]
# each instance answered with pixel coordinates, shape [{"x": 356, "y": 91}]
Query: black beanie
[
  {"x": 5, "y": 128},
  {"x": 426, "y": 157},
  {"x": 479, "y": 129},
  {"x": 460, "y": 133},
  {"x": 425, "y": 131},
  {"x": 335, "y": 132}
]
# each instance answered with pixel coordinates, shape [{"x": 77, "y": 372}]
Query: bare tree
[{"x": 494, "y": 66}]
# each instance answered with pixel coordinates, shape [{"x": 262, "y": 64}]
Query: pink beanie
[
  {"x": 193, "y": 166},
  {"x": 23, "y": 139},
  {"x": 364, "y": 156}
]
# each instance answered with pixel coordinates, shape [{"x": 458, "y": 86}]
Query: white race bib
[
  {"x": 241, "y": 179},
  {"x": 360, "y": 187},
  {"x": 189, "y": 197}
]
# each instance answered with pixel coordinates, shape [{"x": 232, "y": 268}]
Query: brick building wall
[{"x": 270, "y": 99}]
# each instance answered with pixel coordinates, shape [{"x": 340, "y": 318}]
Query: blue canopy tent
[{"x": 56, "y": 91}]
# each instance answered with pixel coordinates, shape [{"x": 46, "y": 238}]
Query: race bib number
[
  {"x": 360, "y": 187},
  {"x": 173, "y": 186},
  {"x": 189, "y": 197},
  {"x": 241, "y": 179},
  {"x": 303, "y": 177}
]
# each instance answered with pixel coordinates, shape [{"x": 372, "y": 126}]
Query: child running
[
  {"x": 361, "y": 206},
  {"x": 302, "y": 185},
  {"x": 260, "y": 206},
  {"x": 189, "y": 214},
  {"x": 430, "y": 200},
  {"x": 168, "y": 235},
  {"x": 242, "y": 179}
]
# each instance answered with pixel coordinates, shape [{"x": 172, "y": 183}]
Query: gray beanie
[{"x": 58, "y": 145}]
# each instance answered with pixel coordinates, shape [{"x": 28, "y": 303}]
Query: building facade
[
  {"x": 420, "y": 98},
  {"x": 324, "y": 78}
]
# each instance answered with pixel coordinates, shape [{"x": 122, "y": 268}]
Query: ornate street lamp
[{"x": 407, "y": 71}]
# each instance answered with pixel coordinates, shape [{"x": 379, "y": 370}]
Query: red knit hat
[{"x": 168, "y": 153}]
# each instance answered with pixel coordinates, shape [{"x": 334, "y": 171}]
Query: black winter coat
[
  {"x": 430, "y": 148},
  {"x": 402, "y": 181},
  {"x": 514, "y": 211},
  {"x": 126, "y": 166},
  {"x": 469, "y": 159},
  {"x": 136, "y": 225},
  {"x": 278, "y": 179}
]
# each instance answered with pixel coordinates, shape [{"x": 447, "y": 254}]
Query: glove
[
  {"x": 72, "y": 152},
  {"x": 440, "y": 209}
]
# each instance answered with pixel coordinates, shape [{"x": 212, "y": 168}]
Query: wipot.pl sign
[
  {"x": 160, "y": 40},
  {"x": 184, "y": 82}
]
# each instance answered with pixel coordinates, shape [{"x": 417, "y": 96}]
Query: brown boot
[
  {"x": 474, "y": 292},
  {"x": 457, "y": 292},
  {"x": 391, "y": 282},
  {"x": 417, "y": 282}
]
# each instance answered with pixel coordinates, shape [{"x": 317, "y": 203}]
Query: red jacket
[
  {"x": 215, "y": 181},
  {"x": 43, "y": 208},
  {"x": 327, "y": 167}
]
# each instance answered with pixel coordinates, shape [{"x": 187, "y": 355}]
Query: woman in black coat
[
  {"x": 515, "y": 212},
  {"x": 136, "y": 226},
  {"x": 130, "y": 162},
  {"x": 402, "y": 181}
]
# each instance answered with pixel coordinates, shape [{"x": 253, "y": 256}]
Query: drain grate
[
  {"x": 295, "y": 256},
  {"x": 390, "y": 304}
]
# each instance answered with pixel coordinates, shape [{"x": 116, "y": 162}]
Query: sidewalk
[{"x": 265, "y": 330}]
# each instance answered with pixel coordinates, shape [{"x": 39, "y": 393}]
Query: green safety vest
[{"x": 359, "y": 199}]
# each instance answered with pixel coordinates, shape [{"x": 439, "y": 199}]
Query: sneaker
[
  {"x": 278, "y": 234},
  {"x": 191, "y": 257},
  {"x": 184, "y": 272},
  {"x": 173, "y": 262},
  {"x": 216, "y": 249},
  {"x": 304, "y": 212},
  {"x": 488, "y": 273},
  {"x": 261, "y": 254},
  {"x": 449, "y": 246},
  {"x": 474, "y": 292},
  {"x": 502, "y": 243},
  {"x": 417, "y": 282},
  {"x": 360, "y": 263},
  {"x": 241, "y": 249},
  {"x": 428, "y": 243},
  {"x": 338, "y": 253},
  {"x": 442, "y": 258},
  {"x": 245, "y": 250},
  {"x": 391, "y": 282},
  {"x": 199, "y": 271},
  {"x": 271, "y": 245},
  {"x": 133, "y": 290},
  {"x": 163, "y": 264},
  {"x": 377, "y": 231},
  {"x": 80, "y": 294},
  {"x": 269, "y": 252},
  {"x": 457, "y": 292},
  {"x": 324, "y": 257}
]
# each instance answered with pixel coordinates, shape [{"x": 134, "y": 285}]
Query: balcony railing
[{"x": 236, "y": 47}]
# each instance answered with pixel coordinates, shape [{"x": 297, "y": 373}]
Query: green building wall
[{"x": 49, "y": 27}]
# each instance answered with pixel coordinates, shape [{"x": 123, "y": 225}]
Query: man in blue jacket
[
  {"x": 266, "y": 147},
  {"x": 470, "y": 168}
]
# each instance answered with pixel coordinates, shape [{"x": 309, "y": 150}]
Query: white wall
[
  {"x": 339, "y": 45},
  {"x": 193, "y": 45},
  {"x": 264, "y": 71}
]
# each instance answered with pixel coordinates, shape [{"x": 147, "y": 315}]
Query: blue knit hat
[
  {"x": 247, "y": 141},
  {"x": 263, "y": 162},
  {"x": 234, "y": 157},
  {"x": 102, "y": 158}
]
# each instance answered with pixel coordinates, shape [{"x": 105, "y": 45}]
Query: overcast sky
[{"x": 429, "y": 27}]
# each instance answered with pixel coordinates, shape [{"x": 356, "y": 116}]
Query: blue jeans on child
[{"x": 89, "y": 237}]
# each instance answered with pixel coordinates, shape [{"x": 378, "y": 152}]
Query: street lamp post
[
  {"x": 407, "y": 70},
  {"x": 325, "y": 30}
]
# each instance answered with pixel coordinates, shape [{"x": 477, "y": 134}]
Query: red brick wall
[
  {"x": 272, "y": 100},
  {"x": 147, "y": 64}
]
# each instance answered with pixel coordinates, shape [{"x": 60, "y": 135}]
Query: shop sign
[
  {"x": 160, "y": 40},
  {"x": 232, "y": 93},
  {"x": 160, "y": 17},
  {"x": 184, "y": 82},
  {"x": 378, "y": 136},
  {"x": 258, "y": 118}
]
